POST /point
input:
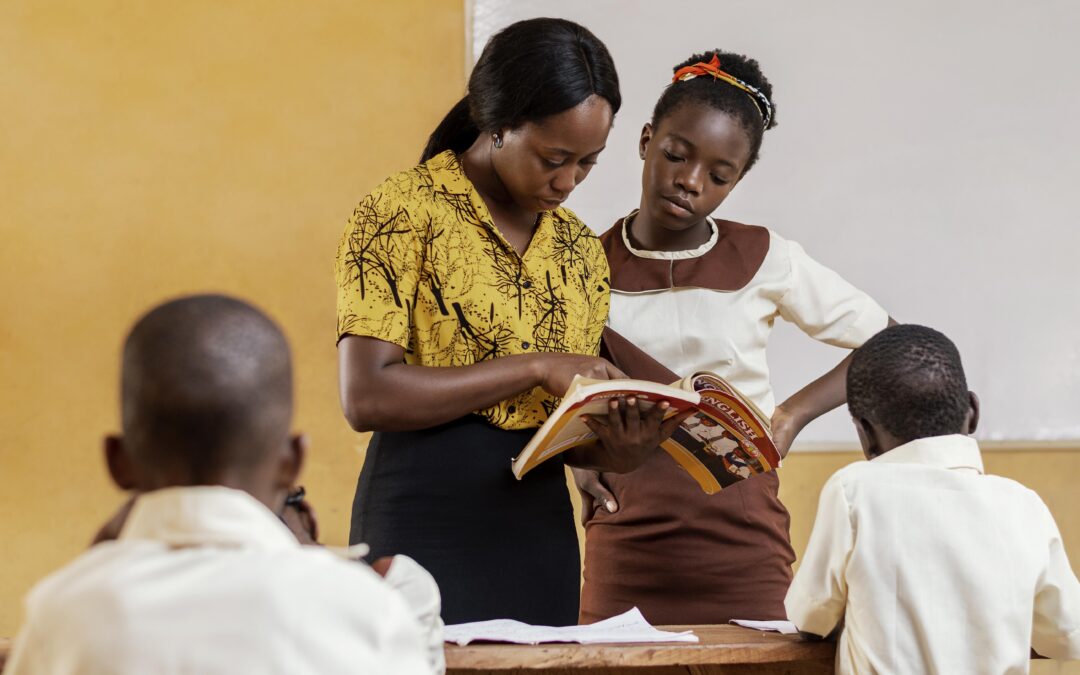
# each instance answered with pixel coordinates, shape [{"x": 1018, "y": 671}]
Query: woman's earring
[{"x": 496, "y": 141}]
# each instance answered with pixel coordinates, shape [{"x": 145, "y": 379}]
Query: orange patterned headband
[{"x": 761, "y": 101}]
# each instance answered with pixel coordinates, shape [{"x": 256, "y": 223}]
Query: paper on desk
[
  {"x": 628, "y": 627},
  {"x": 785, "y": 627}
]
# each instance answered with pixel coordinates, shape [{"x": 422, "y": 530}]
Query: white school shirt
[
  {"x": 207, "y": 580},
  {"x": 689, "y": 329},
  {"x": 935, "y": 567}
]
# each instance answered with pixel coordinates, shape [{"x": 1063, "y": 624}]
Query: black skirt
[{"x": 499, "y": 548}]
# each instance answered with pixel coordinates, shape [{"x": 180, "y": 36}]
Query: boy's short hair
[
  {"x": 909, "y": 379},
  {"x": 206, "y": 384}
]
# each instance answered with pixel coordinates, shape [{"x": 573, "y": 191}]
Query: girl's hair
[
  {"x": 528, "y": 71},
  {"x": 723, "y": 96}
]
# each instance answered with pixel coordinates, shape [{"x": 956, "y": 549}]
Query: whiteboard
[{"x": 927, "y": 150}]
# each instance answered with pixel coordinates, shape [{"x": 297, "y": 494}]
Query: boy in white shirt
[
  {"x": 923, "y": 562},
  {"x": 204, "y": 576}
]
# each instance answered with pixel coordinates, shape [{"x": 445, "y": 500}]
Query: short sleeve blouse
[
  {"x": 713, "y": 308},
  {"x": 422, "y": 265}
]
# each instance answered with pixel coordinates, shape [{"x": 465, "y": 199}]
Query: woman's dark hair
[
  {"x": 528, "y": 71},
  {"x": 725, "y": 97}
]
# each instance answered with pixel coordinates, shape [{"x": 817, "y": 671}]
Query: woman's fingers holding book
[
  {"x": 628, "y": 435},
  {"x": 631, "y": 416},
  {"x": 669, "y": 426}
]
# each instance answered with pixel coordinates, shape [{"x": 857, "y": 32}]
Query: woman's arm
[
  {"x": 380, "y": 392},
  {"x": 809, "y": 403}
]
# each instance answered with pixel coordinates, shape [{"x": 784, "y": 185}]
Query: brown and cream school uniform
[{"x": 682, "y": 556}]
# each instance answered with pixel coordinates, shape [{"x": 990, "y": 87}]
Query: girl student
[
  {"x": 689, "y": 293},
  {"x": 468, "y": 299}
]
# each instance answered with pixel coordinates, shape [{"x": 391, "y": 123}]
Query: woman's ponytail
[{"x": 456, "y": 132}]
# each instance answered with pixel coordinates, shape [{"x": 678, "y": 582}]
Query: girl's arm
[{"x": 809, "y": 403}]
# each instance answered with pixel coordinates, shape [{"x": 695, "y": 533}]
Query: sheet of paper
[
  {"x": 628, "y": 627},
  {"x": 785, "y": 627}
]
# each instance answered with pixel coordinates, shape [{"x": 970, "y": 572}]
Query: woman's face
[
  {"x": 540, "y": 163},
  {"x": 693, "y": 159}
]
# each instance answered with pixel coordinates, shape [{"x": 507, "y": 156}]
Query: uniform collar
[
  {"x": 946, "y": 452},
  {"x": 206, "y": 516},
  {"x": 669, "y": 255}
]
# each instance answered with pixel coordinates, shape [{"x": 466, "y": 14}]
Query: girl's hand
[
  {"x": 556, "y": 371},
  {"x": 594, "y": 494},
  {"x": 629, "y": 436},
  {"x": 785, "y": 427}
]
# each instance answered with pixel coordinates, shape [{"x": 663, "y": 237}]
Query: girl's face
[
  {"x": 693, "y": 160},
  {"x": 540, "y": 163}
]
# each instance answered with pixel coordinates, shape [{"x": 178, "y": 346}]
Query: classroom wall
[
  {"x": 153, "y": 149},
  {"x": 905, "y": 158},
  {"x": 150, "y": 150}
]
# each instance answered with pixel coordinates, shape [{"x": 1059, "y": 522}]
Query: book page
[
  {"x": 783, "y": 627},
  {"x": 566, "y": 429},
  {"x": 630, "y": 626}
]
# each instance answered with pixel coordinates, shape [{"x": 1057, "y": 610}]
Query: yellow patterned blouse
[{"x": 422, "y": 265}]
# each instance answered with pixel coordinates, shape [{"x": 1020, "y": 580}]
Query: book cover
[{"x": 725, "y": 441}]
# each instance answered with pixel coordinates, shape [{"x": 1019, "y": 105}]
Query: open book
[{"x": 725, "y": 441}]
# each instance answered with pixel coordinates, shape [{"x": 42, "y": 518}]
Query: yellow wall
[
  {"x": 151, "y": 149},
  {"x": 148, "y": 150}
]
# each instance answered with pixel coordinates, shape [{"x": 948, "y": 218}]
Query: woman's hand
[
  {"x": 627, "y": 435},
  {"x": 785, "y": 427},
  {"x": 556, "y": 371},
  {"x": 594, "y": 494},
  {"x": 380, "y": 392}
]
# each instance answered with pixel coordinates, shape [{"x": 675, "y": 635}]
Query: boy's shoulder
[
  {"x": 85, "y": 582},
  {"x": 852, "y": 477},
  {"x": 107, "y": 572}
]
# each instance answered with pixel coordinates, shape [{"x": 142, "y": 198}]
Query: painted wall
[
  {"x": 153, "y": 149},
  {"x": 911, "y": 181},
  {"x": 148, "y": 151}
]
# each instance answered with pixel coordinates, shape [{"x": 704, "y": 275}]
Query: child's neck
[{"x": 649, "y": 236}]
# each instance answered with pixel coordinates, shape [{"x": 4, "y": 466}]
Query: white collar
[
  {"x": 670, "y": 255},
  {"x": 206, "y": 516},
  {"x": 955, "y": 451}
]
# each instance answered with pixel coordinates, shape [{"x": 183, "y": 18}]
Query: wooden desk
[{"x": 721, "y": 650}]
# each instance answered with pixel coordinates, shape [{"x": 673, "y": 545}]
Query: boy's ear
[
  {"x": 868, "y": 437},
  {"x": 292, "y": 461},
  {"x": 646, "y": 136},
  {"x": 972, "y": 422},
  {"x": 120, "y": 466}
]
